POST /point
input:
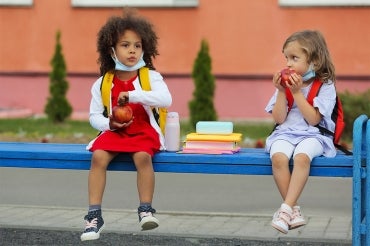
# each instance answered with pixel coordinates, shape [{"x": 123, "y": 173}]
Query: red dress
[{"x": 139, "y": 136}]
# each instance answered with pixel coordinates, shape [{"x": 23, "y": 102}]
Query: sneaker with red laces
[
  {"x": 297, "y": 218},
  {"x": 282, "y": 217},
  {"x": 147, "y": 220}
]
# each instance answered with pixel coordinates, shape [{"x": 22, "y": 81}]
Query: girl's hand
[
  {"x": 276, "y": 80},
  {"x": 122, "y": 98},
  {"x": 114, "y": 125},
  {"x": 296, "y": 83}
]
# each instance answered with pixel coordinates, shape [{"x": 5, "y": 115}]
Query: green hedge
[{"x": 354, "y": 105}]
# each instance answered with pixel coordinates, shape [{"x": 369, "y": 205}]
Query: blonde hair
[{"x": 314, "y": 46}]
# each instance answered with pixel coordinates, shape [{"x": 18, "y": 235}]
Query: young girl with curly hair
[
  {"x": 125, "y": 44},
  {"x": 296, "y": 136}
]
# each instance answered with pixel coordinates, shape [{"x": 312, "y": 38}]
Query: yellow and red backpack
[
  {"x": 160, "y": 114},
  {"x": 337, "y": 115}
]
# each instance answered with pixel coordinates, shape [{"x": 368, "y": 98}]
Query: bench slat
[{"x": 74, "y": 156}]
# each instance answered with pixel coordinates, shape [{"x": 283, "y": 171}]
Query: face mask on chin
[
  {"x": 309, "y": 74},
  {"x": 122, "y": 67}
]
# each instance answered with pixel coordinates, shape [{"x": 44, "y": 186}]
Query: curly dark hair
[{"x": 115, "y": 26}]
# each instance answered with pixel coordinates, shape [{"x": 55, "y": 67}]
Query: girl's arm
[
  {"x": 96, "y": 117},
  {"x": 279, "y": 111},
  {"x": 158, "y": 96},
  {"x": 310, "y": 114}
]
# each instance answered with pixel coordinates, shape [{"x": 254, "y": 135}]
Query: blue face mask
[
  {"x": 309, "y": 74},
  {"x": 122, "y": 67}
]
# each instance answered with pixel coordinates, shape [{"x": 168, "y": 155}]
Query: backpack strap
[
  {"x": 105, "y": 88},
  {"x": 311, "y": 95},
  {"x": 143, "y": 75},
  {"x": 144, "y": 78},
  {"x": 289, "y": 98},
  {"x": 343, "y": 149},
  {"x": 314, "y": 91},
  {"x": 159, "y": 113}
]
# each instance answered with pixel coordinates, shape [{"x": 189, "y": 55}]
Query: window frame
[
  {"x": 323, "y": 3},
  {"x": 16, "y": 3},
  {"x": 135, "y": 3}
]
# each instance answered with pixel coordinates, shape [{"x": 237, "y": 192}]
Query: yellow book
[{"x": 233, "y": 137}]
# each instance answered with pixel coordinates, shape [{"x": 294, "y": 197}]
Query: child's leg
[
  {"x": 145, "y": 176},
  {"x": 298, "y": 178},
  {"x": 303, "y": 155},
  {"x": 145, "y": 186},
  {"x": 97, "y": 175},
  {"x": 280, "y": 153}
]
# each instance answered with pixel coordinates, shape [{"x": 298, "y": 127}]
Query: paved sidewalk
[{"x": 245, "y": 226}]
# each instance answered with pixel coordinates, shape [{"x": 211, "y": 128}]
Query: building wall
[{"x": 245, "y": 39}]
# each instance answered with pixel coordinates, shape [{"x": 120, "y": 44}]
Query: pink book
[
  {"x": 219, "y": 145},
  {"x": 209, "y": 151}
]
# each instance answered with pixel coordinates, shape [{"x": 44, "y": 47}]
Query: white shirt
[
  {"x": 159, "y": 96},
  {"x": 294, "y": 129}
]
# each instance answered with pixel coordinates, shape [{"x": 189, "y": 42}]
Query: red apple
[
  {"x": 122, "y": 114},
  {"x": 285, "y": 74}
]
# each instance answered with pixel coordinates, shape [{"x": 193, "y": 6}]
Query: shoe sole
[
  {"x": 297, "y": 225},
  {"x": 149, "y": 223},
  {"x": 92, "y": 235},
  {"x": 280, "y": 229}
]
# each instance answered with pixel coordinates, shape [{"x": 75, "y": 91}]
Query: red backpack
[{"x": 337, "y": 115}]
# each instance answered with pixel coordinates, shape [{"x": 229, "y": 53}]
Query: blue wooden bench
[{"x": 249, "y": 161}]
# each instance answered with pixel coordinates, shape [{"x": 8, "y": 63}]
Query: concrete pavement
[{"x": 215, "y": 225}]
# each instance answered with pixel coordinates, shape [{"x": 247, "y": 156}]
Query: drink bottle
[{"x": 172, "y": 132}]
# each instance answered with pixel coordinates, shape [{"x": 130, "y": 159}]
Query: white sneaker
[
  {"x": 281, "y": 219},
  {"x": 297, "y": 218},
  {"x": 147, "y": 221}
]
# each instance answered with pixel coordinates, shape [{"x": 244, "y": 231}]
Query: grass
[
  {"x": 43, "y": 130},
  {"x": 71, "y": 131}
]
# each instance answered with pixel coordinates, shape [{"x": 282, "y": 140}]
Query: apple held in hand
[
  {"x": 122, "y": 114},
  {"x": 285, "y": 74}
]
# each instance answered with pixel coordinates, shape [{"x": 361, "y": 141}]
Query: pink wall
[
  {"x": 234, "y": 99},
  {"x": 245, "y": 39}
]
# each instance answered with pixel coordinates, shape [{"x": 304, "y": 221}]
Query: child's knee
[
  {"x": 279, "y": 160},
  {"x": 142, "y": 159},
  {"x": 99, "y": 160},
  {"x": 302, "y": 160}
]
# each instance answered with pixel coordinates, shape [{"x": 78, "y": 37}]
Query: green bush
[
  {"x": 201, "y": 106},
  {"x": 354, "y": 105},
  {"x": 58, "y": 108}
]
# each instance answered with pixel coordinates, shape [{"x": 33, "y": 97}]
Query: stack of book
[{"x": 212, "y": 137}]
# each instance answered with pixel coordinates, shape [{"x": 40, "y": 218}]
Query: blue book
[{"x": 214, "y": 127}]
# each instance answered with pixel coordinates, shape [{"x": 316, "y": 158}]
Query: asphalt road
[{"x": 28, "y": 237}]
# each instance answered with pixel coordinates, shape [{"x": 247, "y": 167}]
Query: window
[
  {"x": 322, "y": 3},
  {"x": 135, "y": 3},
  {"x": 16, "y": 2}
]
